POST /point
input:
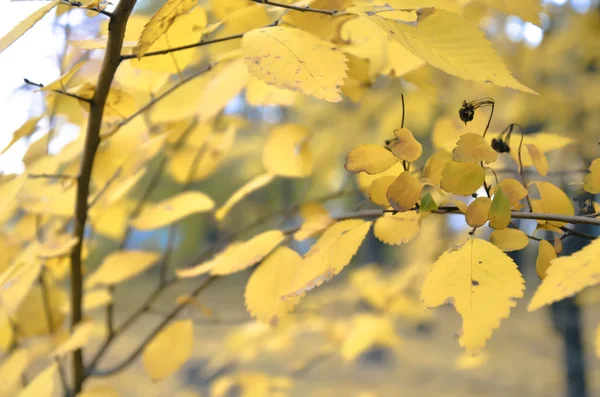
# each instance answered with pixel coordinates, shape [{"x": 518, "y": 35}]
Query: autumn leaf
[
  {"x": 378, "y": 190},
  {"x": 477, "y": 213},
  {"x": 591, "y": 182},
  {"x": 472, "y": 148},
  {"x": 527, "y": 10},
  {"x": 13, "y": 367},
  {"x": 405, "y": 146},
  {"x": 24, "y": 130},
  {"x": 499, "y": 213},
  {"x": 513, "y": 189},
  {"x": 538, "y": 158},
  {"x": 169, "y": 350},
  {"x": 26, "y": 24},
  {"x": 404, "y": 192},
  {"x": 120, "y": 266},
  {"x": 398, "y": 228},
  {"x": 79, "y": 338},
  {"x": 59, "y": 84},
  {"x": 316, "y": 219},
  {"x": 295, "y": 60},
  {"x": 453, "y": 44},
  {"x": 160, "y": 23},
  {"x": 553, "y": 200},
  {"x": 509, "y": 239},
  {"x": 370, "y": 158},
  {"x": 546, "y": 253},
  {"x": 481, "y": 282},
  {"x": 328, "y": 256},
  {"x": 269, "y": 282},
  {"x": 369, "y": 331},
  {"x": 567, "y": 275},
  {"x": 43, "y": 385},
  {"x": 287, "y": 152},
  {"x": 435, "y": 166},
  {"x": 251, "y": 186},
  {"x": 462, "y": 178},
  {"x": 173, "y": 209}
]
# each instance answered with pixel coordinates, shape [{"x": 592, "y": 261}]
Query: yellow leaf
[
  {"x": 552, "y": 201},
  {"x": 538, "y": 158},
  {"x": 43, "y": 385},
  {"x": 206, "y": 267},
  {"x": 240, "y": 21},
  {"x": 467, "y": 361},
  {"x": 287, "y": 153},
  {"x": 35, "y": 306},
  {"x": 247, "y": 254},
  {"x": 481, "y": 282},
  {"x": 462, "y": 207},
  {"x": 527, "y": 10},
  {"x": 119, "y": 103},
  {"x": 379, "y": 188},
  {"x": 121, "y": 266},
  {"x": 7, "y": 335},
  {"x": 499, "y": 213},
  {"x": 400, "y": 61},
  {"x": 325, "y": 26},
  {"x": 18, "y": 280},
  {"x": 367, "y": 332},
  {"x": 472, "y": 148},
  {"x": 259, "y": 93},
  {"x": 406, "y": 147},
  {"x": 271, "y": 280},
  {"x": 477, "y": 213},
  {"x": 169, "y": 350},
  {"x": 453, "y": 44},
  {"x": 59, "y": 84},
  {"x": 24, "y": 130},
  {"x": 98, "y": 392},
  {"x": 222, "y": 8},
  {"x": 404, "y": 192},
  {"x": 56, "y": 246},
  {"x": 222, "y": 88},
  {"x": 329, "y": 255},
  {"x": 435, "y": 165},
  {"x": 513, "y": 189},
  {"x": 25, "y": 25},
  {"x": 79, "y": 338},
  {"x": 172, "y": 210},
  {"x": 95, "y": 299},
  {"x": 591, "y": 182},
  {"x": 316, "y": 219},
  {"x": 160, "y": 22},
  {"x": 546, "y": 254},
  {"x": 370, "y": 158},
  {"x": 568, "y": 275},
  {"x": 250, "y": 187},
  {"x": 462, "y": 178},
  {"x": 398, "y": 228},
  {"x": 295, "y": 60},
  {"x": 12, "y": 368},
  {"x": 9, "y": 189},
  {"x": 509, "y": 239}
]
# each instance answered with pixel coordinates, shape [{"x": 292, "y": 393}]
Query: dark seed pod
[
  {"x": 466, "y": 112},
  {"x": 500, "y": 146}
]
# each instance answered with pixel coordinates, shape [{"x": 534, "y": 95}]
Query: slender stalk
[
  {"x": 112, "y": 58},
  {"x": 78, "y": 4},
  {"x": 298, "y": 8},
  {"x": 521, "y": 168}
]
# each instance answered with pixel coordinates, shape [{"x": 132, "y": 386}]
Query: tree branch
[
  {"x": 112, "y": 58},
  {"x": 78, "y": 4},
  {"x": 40, "y": 85},
  {"x": 298, "y": 8}
]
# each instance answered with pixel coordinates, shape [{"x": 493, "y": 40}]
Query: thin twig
[
  {"x": 521, "y": 166},
  {"x": 298, "y": 8},
  {"x": 78, "y": 4},
  {"x": 40, "y": 85},
  {"x": 116, "y": 28},
  {"x": 51, "y": 176}
]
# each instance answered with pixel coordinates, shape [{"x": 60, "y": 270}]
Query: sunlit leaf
[
  {"x": 499, "y": 213},
  {"x": 591, "y": 182},
  {"x": 552, "y": 201},
  {"x": 169, "y": 350},
  {"x": 406, "y": 147},
  {"x": 272, "y": 279},
  {"x": 329, "y": 255},
  {"x": 26, "y": 24},
  {"x": 172, "y": 210},
  {"x": 435, "y": 166},
  {"x": 25, "y": 130},
  {"x": 120, "y": 266},
  {"x": 370, "y": 158},
  {"x": 546, "y": 253},
  {"x": 509, "y": 239},
  {"x": 316, "y": 219},
  {"x": 43, "y": 385},
  {"x": 513, "y": 189},
  {"x": 160, "y": 22},
  {"x": 287, "y": 152},
  {"x": 471, "y": 148},
  {"x": 295, "y": 60},
  {"x": 567, "y": 275},
  {"x": 453, "y": 44},
  {"x": 477, "y": 213},
  {"x": 462, "y": 178},
  {"x": 398, "y": 228},
  {"x": 369, "y": 331},
  {"x": 378, "y": 190},
  {"x": 538, "y": 158},
  {"x": 79, "y": 338},
  {"x": 481, "y": 282},
  {"x": 251, "y": 186},
  {"x": 404, "y": 192},
  {"x": 12, "y": 369}
]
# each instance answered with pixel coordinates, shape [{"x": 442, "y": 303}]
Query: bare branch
[{"x": 79, "y": 98}]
